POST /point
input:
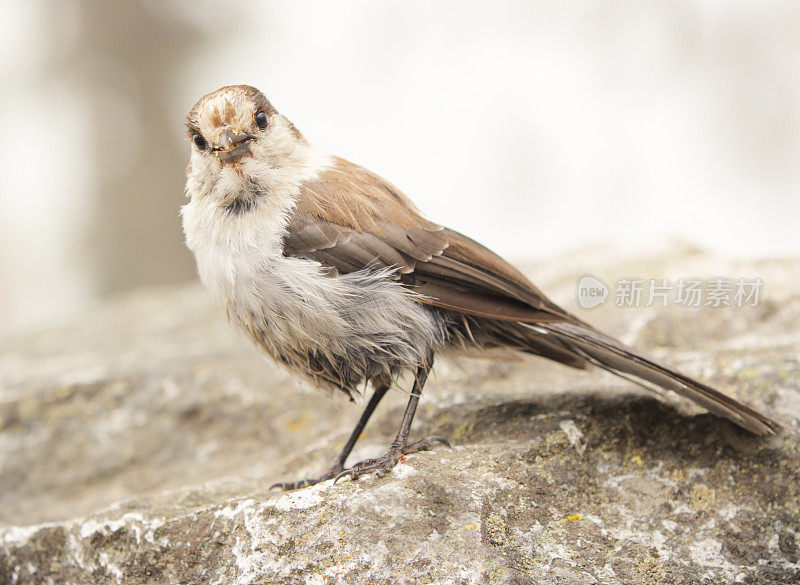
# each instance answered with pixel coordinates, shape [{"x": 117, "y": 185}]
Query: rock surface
[{"x": 138, "y": 440}]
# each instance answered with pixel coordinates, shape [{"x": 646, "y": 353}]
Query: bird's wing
[{"x": 349, "y": 219}]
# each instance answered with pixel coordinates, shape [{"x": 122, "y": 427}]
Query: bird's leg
[
  {"x": 400, "y": 446},
  {"x": 380, "y": 387}
]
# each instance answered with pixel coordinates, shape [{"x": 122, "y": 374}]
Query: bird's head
[{"x": 238, "y": 141}]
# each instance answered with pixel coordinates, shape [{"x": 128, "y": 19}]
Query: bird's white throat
[{"x": 233, "y": 246}]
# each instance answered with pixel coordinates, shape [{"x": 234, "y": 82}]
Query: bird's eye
[
  {"x": 199, "y": 141},
  {"x": 261, "y": 119}
]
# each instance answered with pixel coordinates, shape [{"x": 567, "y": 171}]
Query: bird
[{"x": 333, "y": 272}]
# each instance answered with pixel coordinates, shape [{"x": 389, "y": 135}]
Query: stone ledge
[{"x": 137, "y": 441}]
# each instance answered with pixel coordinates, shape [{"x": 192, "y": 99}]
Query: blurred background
[{"x": 536, "y": 127}]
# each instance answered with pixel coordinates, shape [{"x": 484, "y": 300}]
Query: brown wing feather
[
  {"x": 349, "y": 195},
  {"x": 349, "y": 218}
]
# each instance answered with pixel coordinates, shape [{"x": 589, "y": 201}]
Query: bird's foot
[
  {"x": 382, "y": 465},
  {"x": 288, "y": 486}
]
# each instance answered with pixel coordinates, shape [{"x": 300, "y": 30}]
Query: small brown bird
[{"x": 334, "y": 273}]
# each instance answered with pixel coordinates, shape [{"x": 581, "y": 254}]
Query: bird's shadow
[{"x": 617, "y": 421}]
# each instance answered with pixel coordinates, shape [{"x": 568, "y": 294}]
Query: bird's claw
[{"x": 382, "y": 465}]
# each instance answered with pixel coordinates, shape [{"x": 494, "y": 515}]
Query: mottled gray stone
[{"x": 137, "y": 442}]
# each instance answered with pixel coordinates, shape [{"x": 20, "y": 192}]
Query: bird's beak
[{"x": 230, "y": 146}]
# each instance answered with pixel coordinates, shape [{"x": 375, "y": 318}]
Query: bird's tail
[{"x": 617, "y": 358}]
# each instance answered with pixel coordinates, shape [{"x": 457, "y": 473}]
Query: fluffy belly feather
[{"x": 340, "y": 330}]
